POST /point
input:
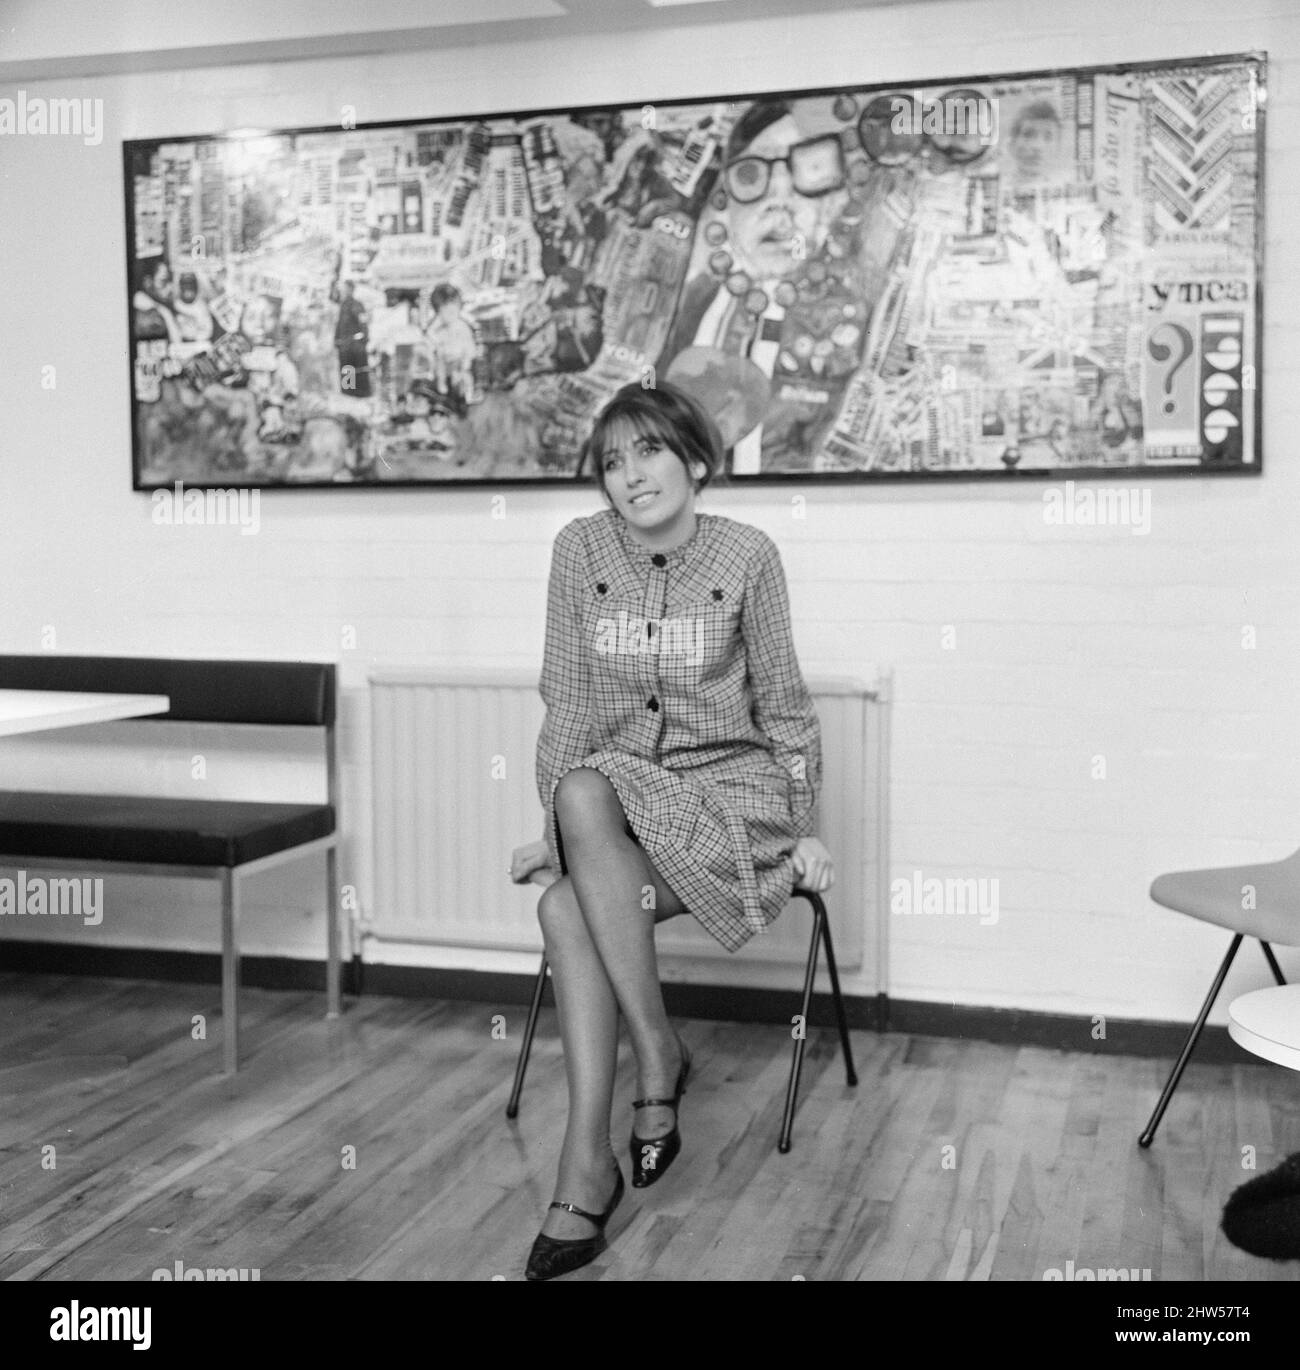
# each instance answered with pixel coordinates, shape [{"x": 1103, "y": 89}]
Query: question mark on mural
[{"x": 1162, "y": 352}]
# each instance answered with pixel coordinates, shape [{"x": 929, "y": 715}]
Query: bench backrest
[{"x": 273, "y": 692}]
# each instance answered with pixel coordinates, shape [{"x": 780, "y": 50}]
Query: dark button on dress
[{"x": 674, "y": 674}]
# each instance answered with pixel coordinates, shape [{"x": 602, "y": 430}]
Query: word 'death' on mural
[{"x": 1001, "y": 276}]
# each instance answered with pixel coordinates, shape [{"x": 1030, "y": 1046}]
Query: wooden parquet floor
[{"x": 376, "y": 1147}]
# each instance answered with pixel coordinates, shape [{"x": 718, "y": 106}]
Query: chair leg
[
  {"x": 1272, "y": 962},
  {"x": 796, "y": 1066},
  {"x": 850, "y": 1074},
  {"x": 1193, "y": 1037},
  {"x": 333, "y": 965},
  {"x": 512, "y": 1108},
  {"x": 229, "y": 971}
]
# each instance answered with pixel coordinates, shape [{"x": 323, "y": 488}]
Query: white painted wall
[
  {"x": 1070, "y": 643},
  {"x": 40, "y": 30}
]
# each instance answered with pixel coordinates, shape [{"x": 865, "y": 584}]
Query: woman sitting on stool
[{"x": 678, "y": 765}]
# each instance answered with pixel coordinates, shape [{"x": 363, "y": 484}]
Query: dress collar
[{"x": 639, "y": 554}]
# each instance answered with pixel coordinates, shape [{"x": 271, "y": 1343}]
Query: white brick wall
[{"x": 1069, "y": 642}]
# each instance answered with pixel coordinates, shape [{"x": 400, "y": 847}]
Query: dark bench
[{"x": 216, "y": 839}]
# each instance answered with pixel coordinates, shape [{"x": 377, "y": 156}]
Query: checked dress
[{"x": 674, "y": 674}]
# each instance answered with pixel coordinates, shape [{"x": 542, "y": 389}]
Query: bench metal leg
[
  {"x": 333, "y": 967},
  {"x": 512, "y": 1108},
  {"x": 229, "y": 971}
]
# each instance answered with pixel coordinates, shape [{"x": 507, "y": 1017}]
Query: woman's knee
[
  {"x": 584, "y": 799},
  {"x": 558, "y": 912}
]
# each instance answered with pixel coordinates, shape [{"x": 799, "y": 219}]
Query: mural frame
[{"x": 872, "y": 350}]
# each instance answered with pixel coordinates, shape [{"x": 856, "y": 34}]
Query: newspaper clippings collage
[{"x": 994, "y": 277}]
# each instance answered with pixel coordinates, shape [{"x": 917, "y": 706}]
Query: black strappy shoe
[
  {"x": 651, "y": 1156},
  {"x": 552, "y": 1256}
]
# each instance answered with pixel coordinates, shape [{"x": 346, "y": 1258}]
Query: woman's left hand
[{"x": 813, "y": 866}]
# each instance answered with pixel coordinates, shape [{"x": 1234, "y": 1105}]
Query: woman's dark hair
[
  {"x": 660, "y": 411},
  {"x": 443, "y": 294}
]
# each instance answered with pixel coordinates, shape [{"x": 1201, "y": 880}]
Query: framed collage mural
[{"x": 979, "y": 278}]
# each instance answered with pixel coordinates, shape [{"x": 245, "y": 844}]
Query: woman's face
[{"x": 645, "y": 480}]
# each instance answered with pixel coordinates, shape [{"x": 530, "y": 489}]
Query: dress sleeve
[
  {"x": 783, "y": 707},
  {"x": 565, "y": 685}
]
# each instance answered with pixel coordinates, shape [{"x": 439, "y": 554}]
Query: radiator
[{"x": 454, "y": 792}]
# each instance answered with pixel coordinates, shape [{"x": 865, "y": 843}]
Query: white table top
[
  {"x": 1267, "y": 1022},
  {"x": 29, "y": 711}
]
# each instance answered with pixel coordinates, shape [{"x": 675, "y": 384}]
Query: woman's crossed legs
[{"x": 598, "y": 923}]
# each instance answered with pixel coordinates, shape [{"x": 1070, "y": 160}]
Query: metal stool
[{"x": 821, "y": 933}]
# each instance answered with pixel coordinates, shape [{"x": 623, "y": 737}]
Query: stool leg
[
  {"x": 1272, "y": 962},
  {"x": 1193, "y": 1037},
  {"x": 850, "y": 1075},
  {"x": 512, "y": 1108},
  {"x": 229, "y": 972},
  {"x": 796, "y": 1066}
]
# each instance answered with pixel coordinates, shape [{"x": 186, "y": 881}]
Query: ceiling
[{"x": 45, "y": 39}]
